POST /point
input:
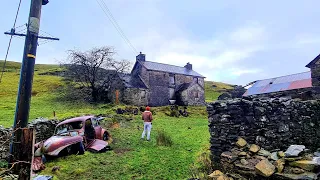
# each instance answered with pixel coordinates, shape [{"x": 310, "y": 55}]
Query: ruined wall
[
  {"x": 136, "y": 96},
  {"x": 271, "y": 123},
  {"x": 117, "y": 85}
]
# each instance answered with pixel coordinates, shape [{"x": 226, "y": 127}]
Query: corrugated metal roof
[
  {"x": 169, "y": 68},
  {"x": 283, "y": 83}
]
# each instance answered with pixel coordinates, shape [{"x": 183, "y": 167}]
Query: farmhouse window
[{"x": 172, "y": 79}]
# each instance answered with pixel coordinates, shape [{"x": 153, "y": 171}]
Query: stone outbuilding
[{"x": 155, "y": 84}]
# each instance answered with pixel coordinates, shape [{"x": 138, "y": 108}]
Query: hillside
[
  {"x": 131, "y": 158},
  {"x": 44, "y": 100},
  {"x": 214, "y": 89}
]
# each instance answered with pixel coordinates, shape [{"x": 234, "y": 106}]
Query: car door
[{"x": 97, "y": 128}]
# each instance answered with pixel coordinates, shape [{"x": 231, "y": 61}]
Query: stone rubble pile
[{"x": 245, "y": 161}]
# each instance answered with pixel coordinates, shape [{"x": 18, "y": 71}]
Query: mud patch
[
  {"x": 115, "y": 126},
  {"x": 122, "y": 150}
]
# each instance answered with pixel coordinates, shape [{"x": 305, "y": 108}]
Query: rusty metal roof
[{"x": 283, "y": 83}]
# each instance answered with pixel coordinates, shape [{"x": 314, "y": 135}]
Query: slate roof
[
  {"x": 132, "y": 82},
  {"x": 283, "y": 83},
  {"x": 169, "y": 68}
]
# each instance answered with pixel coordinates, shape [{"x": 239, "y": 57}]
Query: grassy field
[
  {"x": 131, "y": 158},
  {"x": 44, "y": 100}
]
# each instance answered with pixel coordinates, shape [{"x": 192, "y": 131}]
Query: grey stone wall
[
  {"x": 136, "y": 96},
  {"x": 144, "y": 74},
  {"x": 5, "y": 134},
  {"x": 116, "y": 85},
  {"x": 315, "y": 75},
  {"x": 193, "y": 96},
  {"x": 181, "y": 79},
  {"x": 201, "y": 82},
  {"x": 159, "y": 88},
  {"x": 274, "y": 123},
  {"x": 44, "y": 129}
]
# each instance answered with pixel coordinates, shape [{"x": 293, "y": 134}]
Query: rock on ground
[
  {"x": 294, "y": 150},
  {"x": 265, "y": 168}
]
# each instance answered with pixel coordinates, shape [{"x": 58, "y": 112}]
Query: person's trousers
[{"x": 146, "y": 129}]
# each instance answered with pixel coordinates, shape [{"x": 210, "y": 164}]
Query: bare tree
[{"x": 95, "y": 69}]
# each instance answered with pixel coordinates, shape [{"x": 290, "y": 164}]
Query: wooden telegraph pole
[{"x": 21, "y": 147}]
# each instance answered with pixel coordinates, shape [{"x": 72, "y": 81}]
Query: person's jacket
[{"x": 147, "y": 116}]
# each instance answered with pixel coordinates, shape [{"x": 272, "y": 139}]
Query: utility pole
[{"x": 21, "y": 161}]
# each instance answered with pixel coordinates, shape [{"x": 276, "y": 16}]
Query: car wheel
[{"x": 105, "y": 136}]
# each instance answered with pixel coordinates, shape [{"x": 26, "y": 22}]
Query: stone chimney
[
  {"x": 188, "y": 66},
  {"x": 141, "y": 57}
]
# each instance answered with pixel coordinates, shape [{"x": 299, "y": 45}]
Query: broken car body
[{"x": 75, "y": 136}]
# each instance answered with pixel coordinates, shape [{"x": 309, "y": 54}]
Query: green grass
[
  {"x": 133, "y": 158},
  {"x": 212, "y": 93},
  {"x": 44, "y": 102}
]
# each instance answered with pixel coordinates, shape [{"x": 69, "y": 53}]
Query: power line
[
  {"x": 113, "y": 21},
  {"x": 13, "y": 29},
  {"x": 118, "y": 26}
]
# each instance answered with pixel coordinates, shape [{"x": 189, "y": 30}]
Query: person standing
[{"x": 147, "y": 121}]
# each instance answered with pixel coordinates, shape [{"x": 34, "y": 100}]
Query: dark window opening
[
  {"x": 172, "y": 79},
  {"x": 196, "y": 95},
  {"x": 195, "y": 80}
]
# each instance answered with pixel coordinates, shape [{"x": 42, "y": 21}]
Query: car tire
[{"x": 105, "y": 136}]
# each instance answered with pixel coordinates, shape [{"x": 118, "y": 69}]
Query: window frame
[{"x": 172, "y": 76}]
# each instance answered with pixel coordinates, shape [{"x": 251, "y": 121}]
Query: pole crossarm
[{"x": 24, "y": 35}]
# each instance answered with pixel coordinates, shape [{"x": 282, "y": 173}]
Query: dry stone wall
[
  {"x": 44, "y": 129},
  {"x": 270, "y": 123}
]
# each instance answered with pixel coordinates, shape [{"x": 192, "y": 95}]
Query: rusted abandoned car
[{"x": 75, "y": 136}]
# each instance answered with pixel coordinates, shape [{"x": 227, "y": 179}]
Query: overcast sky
[{"x": 227, "y": 40}]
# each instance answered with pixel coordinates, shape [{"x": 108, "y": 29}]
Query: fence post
[{"x": 22, "y": 154}]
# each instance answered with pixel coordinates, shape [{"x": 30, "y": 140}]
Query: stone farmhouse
[
  {"x": 156, "y": 84},
  {"x": 292, "y": 85}
]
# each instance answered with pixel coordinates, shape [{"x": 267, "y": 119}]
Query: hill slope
[
  {"x": 44, "y": 100},
  {"x": 214, "y": 89}
]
